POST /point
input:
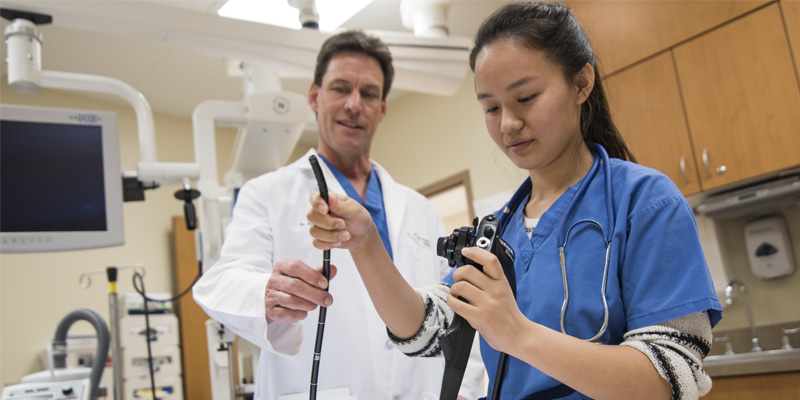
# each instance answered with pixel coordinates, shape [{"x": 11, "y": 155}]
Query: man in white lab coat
[{"x": 264, "y": 287}]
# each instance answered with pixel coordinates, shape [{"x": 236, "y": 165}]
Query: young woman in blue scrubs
[{"x": 537, "y": 82}]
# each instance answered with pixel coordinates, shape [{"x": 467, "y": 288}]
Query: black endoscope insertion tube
[{"x": 326, "y": 270}]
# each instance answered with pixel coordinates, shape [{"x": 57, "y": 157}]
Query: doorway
[{"x": 452, "y": 199}]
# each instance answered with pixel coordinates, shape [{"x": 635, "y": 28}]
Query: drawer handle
[
  {"x": 683, "y": 170},
  {"x": 705, "y": 162},
  {"x": 721, "y": 170}
]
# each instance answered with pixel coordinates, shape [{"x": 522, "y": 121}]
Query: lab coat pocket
[
  {"x": 430, "y": 396},
  {"x": 428, "y": 267}
]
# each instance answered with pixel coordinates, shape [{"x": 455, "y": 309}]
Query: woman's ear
[{"x": 585, "y": 82}]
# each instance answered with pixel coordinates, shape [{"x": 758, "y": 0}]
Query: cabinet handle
[
  {"x": 705, "y": 162},
  {"x": 683, "y": 170},
  {"x": 721, "y": 170}
]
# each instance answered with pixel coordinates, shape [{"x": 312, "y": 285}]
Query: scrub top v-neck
[{"x": 373, "y": 201}]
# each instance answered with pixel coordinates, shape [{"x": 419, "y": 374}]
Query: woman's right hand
[{"x": 346, "y": 227}]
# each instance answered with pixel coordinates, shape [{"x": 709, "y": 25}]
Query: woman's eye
[
  {"x": 492, "y": 110},
  {"x": 526, "y": 99}
]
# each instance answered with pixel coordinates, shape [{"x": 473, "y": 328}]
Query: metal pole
[{"x": 116, "y": 353}]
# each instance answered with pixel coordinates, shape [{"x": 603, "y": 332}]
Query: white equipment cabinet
[{"x": 166, "y": 353}]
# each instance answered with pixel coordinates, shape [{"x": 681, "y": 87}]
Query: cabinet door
[
  {"x": 192, "y": 318},
  {"x": 742, "y": 99},
  {"x": 624, "y": 32},
  {"x": 646, "y": 105}
]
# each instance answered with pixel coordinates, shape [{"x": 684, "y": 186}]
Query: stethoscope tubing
[{"x": 561, "y": 235}]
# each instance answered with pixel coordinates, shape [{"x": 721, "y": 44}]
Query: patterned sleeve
[
  {"x": 438, "y": 317},
  {"x": 677, "y": 349}
]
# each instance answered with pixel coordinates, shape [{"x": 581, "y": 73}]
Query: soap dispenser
[{"x": 768, "y": 247}]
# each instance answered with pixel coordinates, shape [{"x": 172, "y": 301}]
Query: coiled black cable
[{"x": 138, "y": 285}]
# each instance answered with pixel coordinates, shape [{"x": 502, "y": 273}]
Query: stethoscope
[{"x": 562, "y": 234}]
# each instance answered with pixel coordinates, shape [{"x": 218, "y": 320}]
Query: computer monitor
[{"x": 60, "y": 180}]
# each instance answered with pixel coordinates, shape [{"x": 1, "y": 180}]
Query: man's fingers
[
  {"x": 333, "y": 272},
  {"x": 289, "y": 299},
  {"x": 295, "y": 278},
  {"x": 297, "y": 269},
  {"x": 297, "y": 294},
  {"x": 277, "y": 295}
]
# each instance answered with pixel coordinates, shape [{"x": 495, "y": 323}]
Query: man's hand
[{"x": 294, "y": 289}]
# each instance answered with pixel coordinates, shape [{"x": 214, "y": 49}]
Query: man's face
[{"x": 349, "y": 104}]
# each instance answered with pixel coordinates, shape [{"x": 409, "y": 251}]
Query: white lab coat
[{"x": 269, "y": 223}]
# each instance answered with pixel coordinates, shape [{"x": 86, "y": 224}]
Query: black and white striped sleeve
[
  {"x": 438, "y": 317},
  {"x": 677, "y": 349}
]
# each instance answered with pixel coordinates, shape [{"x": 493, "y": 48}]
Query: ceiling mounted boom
[{"x": 435, "y": 65}]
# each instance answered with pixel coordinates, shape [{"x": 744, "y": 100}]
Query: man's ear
[
  {"x": 384, "y": 108},
  {"x": 313, "y": 91},
  {"x": 585, "y": 82}
]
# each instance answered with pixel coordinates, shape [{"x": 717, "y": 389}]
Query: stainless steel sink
[{"x": 753, "y": 362}]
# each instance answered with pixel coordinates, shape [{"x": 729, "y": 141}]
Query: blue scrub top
[
  {"x": 657, "y": 269},
  {"x": 373, "y": 202}
]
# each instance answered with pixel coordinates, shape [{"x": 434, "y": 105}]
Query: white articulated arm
[
  {"x": 204, "y": 118},
  {"x": 148, "y": 169},
  {"x": 25, "y": 75}
]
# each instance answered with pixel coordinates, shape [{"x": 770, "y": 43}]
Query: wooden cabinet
[
  {"x": 646, "y": 104},
  {"x": 721, "y": 108},
  {"x": 192, "y": 318},
  {"x": 741, "y": 98},
  {"x": 624, "y": 32},
  {"x": 781, "y": 386}
]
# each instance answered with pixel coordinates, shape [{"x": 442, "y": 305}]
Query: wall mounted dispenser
[{"x": 768, "y": 247}]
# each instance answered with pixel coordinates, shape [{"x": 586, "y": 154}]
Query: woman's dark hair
[
  {"x": 552, "y": 29},
  {"x": 359, "y": 42}
]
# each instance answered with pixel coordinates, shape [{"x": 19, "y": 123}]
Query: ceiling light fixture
[{"x": 333, "y": 13}]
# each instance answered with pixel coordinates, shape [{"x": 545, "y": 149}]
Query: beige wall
[
  {"x": 426, "y": 138},
  {"x": 37, "y": 290}
]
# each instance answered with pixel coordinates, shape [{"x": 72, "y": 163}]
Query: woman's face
[{"x": 532, "y": 112}]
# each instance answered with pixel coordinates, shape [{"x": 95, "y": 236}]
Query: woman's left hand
[{"x": 490, "y": 306}]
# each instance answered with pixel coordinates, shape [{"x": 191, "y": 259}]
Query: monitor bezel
[{"x": 114, "y": 235}]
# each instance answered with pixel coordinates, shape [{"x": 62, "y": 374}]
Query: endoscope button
[
  {"x": 490, "y": 217},
  {"x": 488, "y": 232}
]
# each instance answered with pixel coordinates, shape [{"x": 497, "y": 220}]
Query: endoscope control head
[{"x": 483, "y": 235}]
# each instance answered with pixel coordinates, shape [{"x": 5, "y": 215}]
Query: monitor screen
[{"x": 60, "y": 180}]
